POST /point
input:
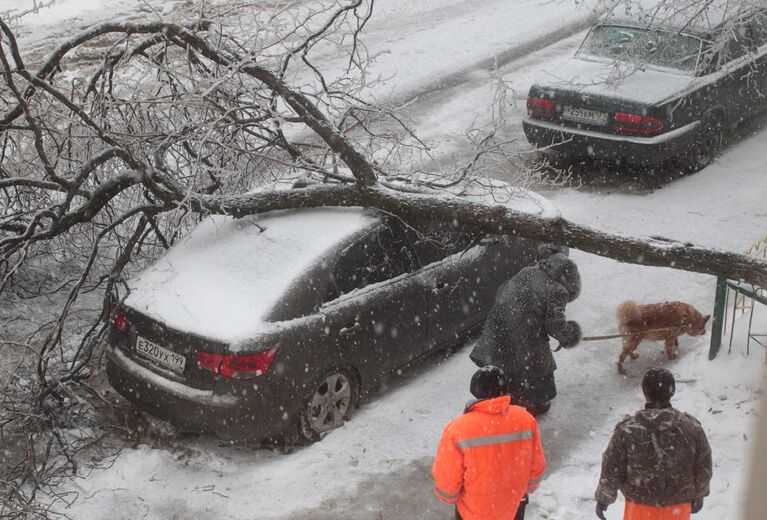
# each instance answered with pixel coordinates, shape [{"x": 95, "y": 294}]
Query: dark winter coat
[
  {"x": 528, "y": 309},
  {"x": 657, "y": 458}
]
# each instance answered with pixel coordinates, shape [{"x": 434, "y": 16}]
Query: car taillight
[
  {"x": 120, "y": 320},
  {"x": 208, "y": 361},
  {"x": 540, "y": 108},
  {"x": 635, "y": 124},
  {"x": 237, "y": 367}
]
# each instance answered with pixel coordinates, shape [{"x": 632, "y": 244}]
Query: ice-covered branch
[{"x": 501, "y": 219}]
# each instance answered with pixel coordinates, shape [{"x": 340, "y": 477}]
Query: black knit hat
[
  {"x": 658, "y": 385},
  {"x": 488, "y": 382}
]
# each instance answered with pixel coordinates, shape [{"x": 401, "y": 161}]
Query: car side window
[
  {"x": 380, "y": 255},
  {"x": 759, "y": 29},
  {"x": 736, "y": 47},
  {"x": 434, "y": 240},
  {"x": 744, "y": 38}
]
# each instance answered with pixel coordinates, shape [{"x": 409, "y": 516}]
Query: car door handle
[{"x": 345, "y": 331}]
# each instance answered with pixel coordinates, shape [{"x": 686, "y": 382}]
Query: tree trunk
[{"x": 500, "y": 219}]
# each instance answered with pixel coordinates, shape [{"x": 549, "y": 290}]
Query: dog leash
[
  {"x": 627, "y": 334},
  {"x": 600, "y": 338},
  {"x": 619, "y": 335}
]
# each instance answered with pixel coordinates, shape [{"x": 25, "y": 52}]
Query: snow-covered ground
[{"x": 377, "y": 466}]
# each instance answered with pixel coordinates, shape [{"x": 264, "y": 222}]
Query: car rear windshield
[{"x": 651, "y": 47}]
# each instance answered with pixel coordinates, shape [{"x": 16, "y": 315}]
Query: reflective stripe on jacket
[{"x": 488, "y": 459}]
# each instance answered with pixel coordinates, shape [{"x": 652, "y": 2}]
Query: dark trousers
[
  {"x": 520, "y": 510},
  {"x": 532, "y": 390}
]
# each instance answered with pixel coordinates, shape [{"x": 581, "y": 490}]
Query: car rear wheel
[
  {"x": 706, "y": 147},
  {"x": 328, "y": 405}
]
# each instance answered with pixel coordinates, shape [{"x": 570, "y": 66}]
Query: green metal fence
[{"x": 740, "y": 293}]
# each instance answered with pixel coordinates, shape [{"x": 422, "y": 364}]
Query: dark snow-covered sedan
[
  {"x": 655, "y": 80},
  {"x": 274, "y": 325}
]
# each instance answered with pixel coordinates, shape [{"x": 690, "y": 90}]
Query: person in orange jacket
[{"x": 491, "y": 457}]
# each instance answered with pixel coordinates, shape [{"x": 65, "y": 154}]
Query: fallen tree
[
  {"x": 651, "y": 251},
  {"x": 151, "y": 172}
]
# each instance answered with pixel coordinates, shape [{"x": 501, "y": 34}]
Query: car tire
[
  {"x": 707, "y": 144},
  {"x": 328, "y": 405}
]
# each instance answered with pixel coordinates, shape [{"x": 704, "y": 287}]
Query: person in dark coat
[
  {"x": 659, "y": 458},
  {"x": 528, "y": 309}
]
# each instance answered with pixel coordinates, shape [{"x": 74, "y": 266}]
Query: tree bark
[{"x": 650, "y": 251}]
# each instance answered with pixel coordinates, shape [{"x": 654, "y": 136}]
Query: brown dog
[{"x": 656, "y": 322}]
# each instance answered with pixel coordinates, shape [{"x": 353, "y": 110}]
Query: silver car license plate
[
  {"x": 160, "y": 355},
  {"x": 584, "y": 115}
]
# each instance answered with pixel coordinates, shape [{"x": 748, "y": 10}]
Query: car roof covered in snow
[
  {"x": 222, "y": 279},
  {"x": 696, "y": 17}
]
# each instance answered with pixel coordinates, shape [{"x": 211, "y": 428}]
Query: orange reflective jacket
[{"x": 488, "y": 459}]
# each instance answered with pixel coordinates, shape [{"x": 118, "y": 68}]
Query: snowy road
[
  {"x": 377, "y": 466},
  {"x": 439, "y": 56}
]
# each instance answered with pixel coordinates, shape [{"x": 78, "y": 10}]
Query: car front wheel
[{"x": 328, "y": 405}]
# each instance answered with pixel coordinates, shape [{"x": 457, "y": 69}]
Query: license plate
[
  {"x": 584, "y": 115},
  {"x": 160, "y": 355}
]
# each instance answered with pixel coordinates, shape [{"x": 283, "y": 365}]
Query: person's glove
[
  {"x": 601, "y": 508},
  {"x": 697, "y": 505},
  {"x": 574, "y": 335},
  {"x": 548, "y": 249}
]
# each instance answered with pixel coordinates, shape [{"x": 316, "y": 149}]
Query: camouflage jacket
[{"x": 657, "y": 457}]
